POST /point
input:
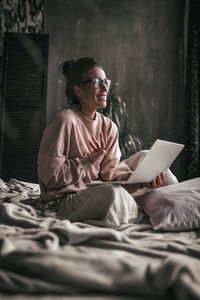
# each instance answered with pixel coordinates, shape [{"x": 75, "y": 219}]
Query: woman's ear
[{"x": 76, "y": 90}]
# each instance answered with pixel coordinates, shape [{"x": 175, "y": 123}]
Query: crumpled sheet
[{"x": 45, "y": 255}]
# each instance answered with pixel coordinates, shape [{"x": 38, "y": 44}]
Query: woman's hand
[
  {"x": 156, "y": 183},
  {"x": 99, "y": 148}
]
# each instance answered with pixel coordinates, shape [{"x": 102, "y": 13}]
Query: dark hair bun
[{"x": 66, "y": 66}]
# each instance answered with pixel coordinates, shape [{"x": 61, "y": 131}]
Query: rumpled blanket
[{"x": 46, "y": 255}]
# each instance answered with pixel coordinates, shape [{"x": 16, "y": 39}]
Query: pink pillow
[{"x": 174, "y": 207}]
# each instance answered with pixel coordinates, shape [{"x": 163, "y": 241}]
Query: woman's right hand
[{"x": 99, "y": 148}]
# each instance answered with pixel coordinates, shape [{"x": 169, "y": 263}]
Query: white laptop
[{"x": 158, "y": 159}]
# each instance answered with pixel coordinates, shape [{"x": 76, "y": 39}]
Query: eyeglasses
[{"x": 98, "y": 82}]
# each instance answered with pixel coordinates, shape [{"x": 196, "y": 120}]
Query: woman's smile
[{"x": 102, "y": 97}]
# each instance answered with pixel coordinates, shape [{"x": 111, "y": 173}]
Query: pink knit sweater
[{"x": 63, "y": 165}]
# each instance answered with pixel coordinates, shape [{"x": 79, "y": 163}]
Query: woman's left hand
[{"x": 156, "y": 183}]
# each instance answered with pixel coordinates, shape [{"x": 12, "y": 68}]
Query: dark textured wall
[{"x": 141, "y": 44}]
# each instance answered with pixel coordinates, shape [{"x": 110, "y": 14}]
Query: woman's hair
[{"x": 73, "y": 71}]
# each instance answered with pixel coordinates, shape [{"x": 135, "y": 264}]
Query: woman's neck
[{"x": 90, "y": 114}]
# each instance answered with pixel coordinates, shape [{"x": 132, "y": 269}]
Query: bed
[{"x": 43, "y": 257}]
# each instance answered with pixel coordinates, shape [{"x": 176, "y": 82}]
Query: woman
[{"x": 81, "y": 146}]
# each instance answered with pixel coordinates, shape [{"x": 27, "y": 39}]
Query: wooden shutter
[{"x": 24, "y": 104}]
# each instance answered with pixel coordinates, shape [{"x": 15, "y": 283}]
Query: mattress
[{"x": 44, "y": 257}]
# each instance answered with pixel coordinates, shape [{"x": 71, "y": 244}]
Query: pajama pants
[{"x": 106, "y": 204}]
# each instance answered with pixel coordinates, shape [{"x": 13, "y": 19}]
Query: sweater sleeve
[
  {"x": 56, "y": 170},
  {"x": 112, "y": 168}
]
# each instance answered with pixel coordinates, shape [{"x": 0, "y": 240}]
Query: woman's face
[{"x": 90, "y": 97}]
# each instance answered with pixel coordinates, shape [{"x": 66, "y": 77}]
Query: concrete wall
[{"x": 141, "y": 44}]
